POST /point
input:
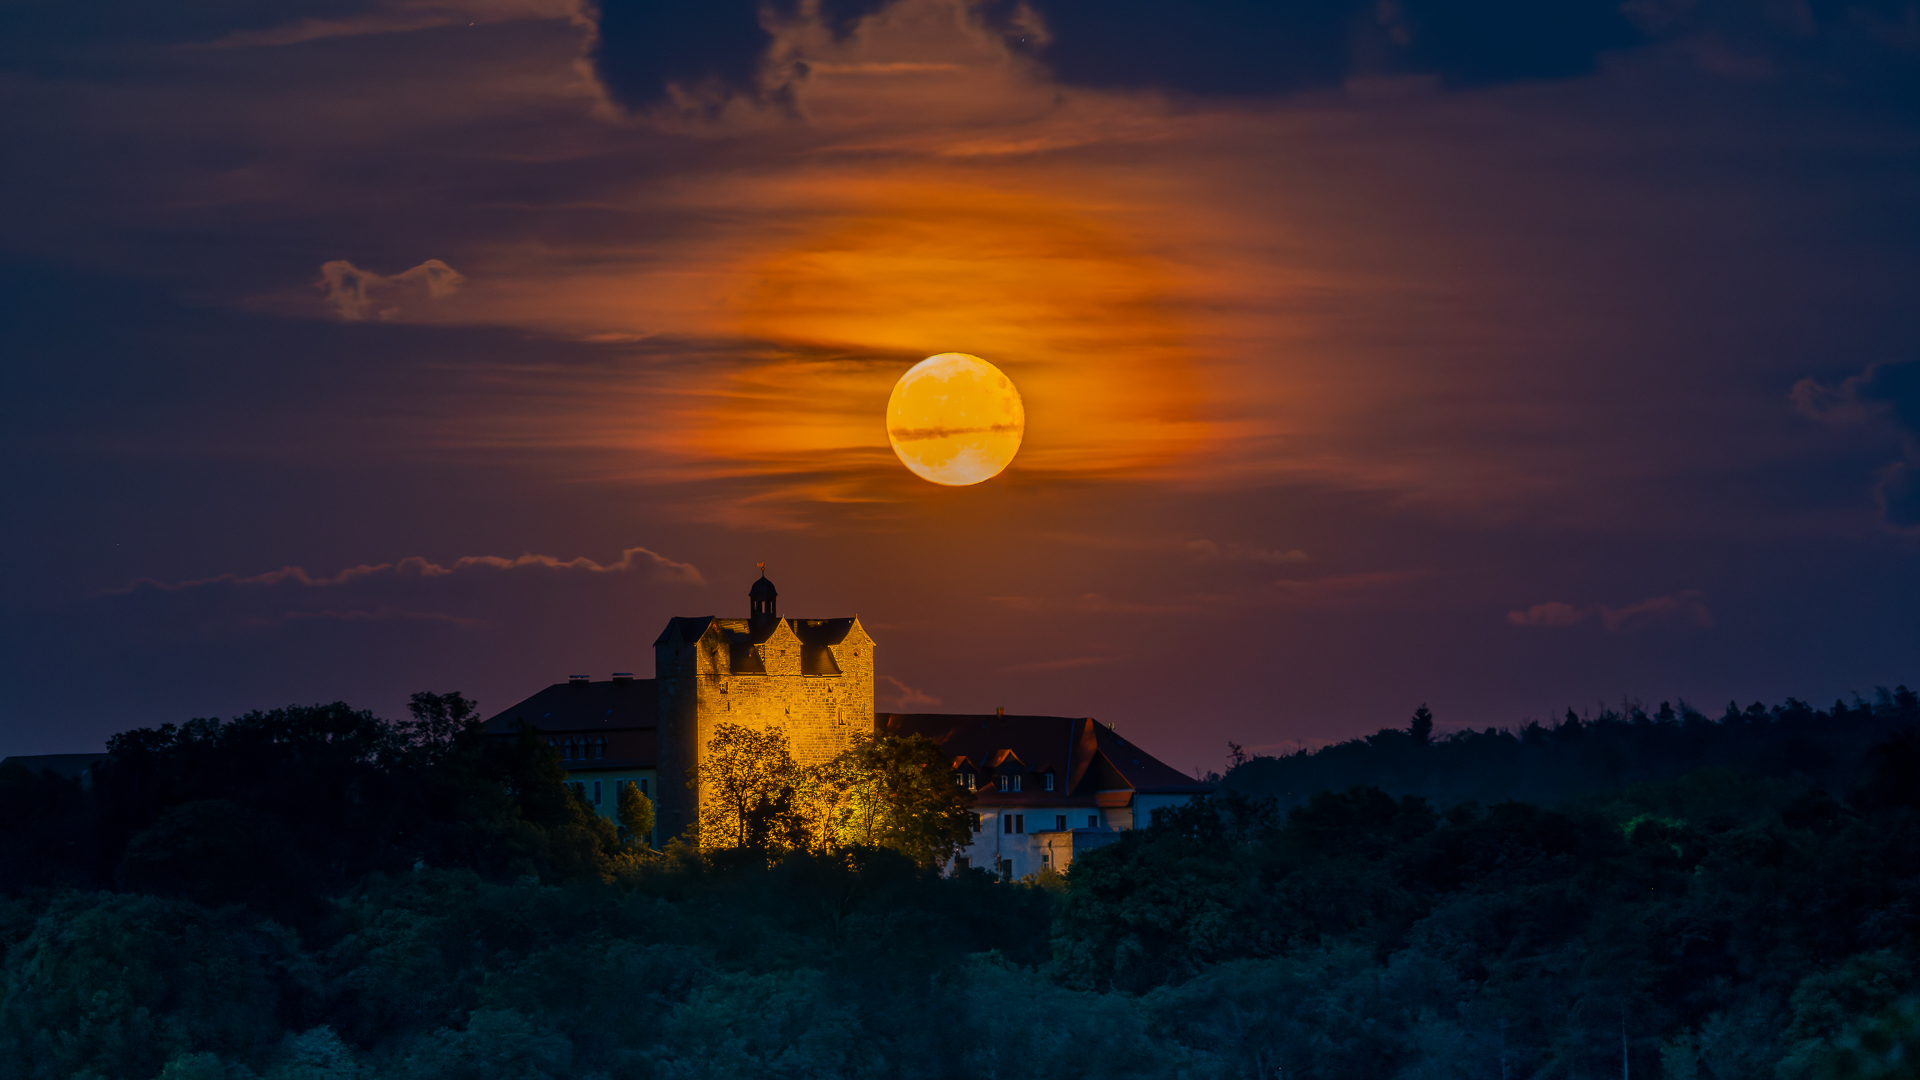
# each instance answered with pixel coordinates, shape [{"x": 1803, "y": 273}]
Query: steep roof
[
  {"x": 582, "y": 706},
  {"x": 1140, "y": 770},
  {"x": 821, "y": 632},
  {"x": 1089, "y": 756},
  {"x": 690, "y": 628}
]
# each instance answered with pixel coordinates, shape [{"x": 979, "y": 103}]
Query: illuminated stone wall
[{"x": 700, "y": 689}]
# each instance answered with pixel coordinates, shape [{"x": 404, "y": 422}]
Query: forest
[{"x": 318, "y": 893}]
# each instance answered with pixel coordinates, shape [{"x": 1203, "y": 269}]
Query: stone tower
[{"x": 812, "y": 678}]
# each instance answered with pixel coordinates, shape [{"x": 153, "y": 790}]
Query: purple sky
[{"x": 1565, "y": 366}]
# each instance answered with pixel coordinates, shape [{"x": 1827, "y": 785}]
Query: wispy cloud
[
  {"x": 402, "y": 18},
  {"x": 632, "y": 559},
  {"x": 1063, "y": 664},
  {"x": 1209, "y": 551},
  {"x": 1196, "y": 549},
  {"x": 1688, "y": 605},
  {"x": 894, "y": 694},
  {"x": 356, "y": 294},
  {"x": 380, "y": 614},
  {"x": 1329, "y": 590},
  {"x": 1339, "y": 588},
  {"x": 1097, "y": 604},
  {"x": 1884, "y": 397}
]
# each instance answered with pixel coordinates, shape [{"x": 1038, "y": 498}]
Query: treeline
[
  {"x": 1550, "y": 763},
  {"x": 320, "y": 895}
]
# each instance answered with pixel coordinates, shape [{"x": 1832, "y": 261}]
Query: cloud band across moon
[
  {"x": 918, "y": 434},
  {"x": 631, "y": 559}
]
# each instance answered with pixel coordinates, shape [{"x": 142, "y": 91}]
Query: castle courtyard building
[
  {"x": 1046, "y": 787},
  {"x": 811, "y": 678}
]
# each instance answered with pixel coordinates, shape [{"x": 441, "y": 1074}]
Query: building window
[
  {"x": 1093, "y": 821},
  {"x": 1060, "y": 822},
  {"x": 596, "y": 793},
  {"x": 1018, "y": 822},
  {"x": 1004, "y": 783},
  {"x": 1016, "y": 781},
  {"x": 643, "y": 785},
  {"x": 618, "y": 787},
  {"x": 1047, "y": 782},
  {"x": 976, "y": 821},
  {"x": 960, "y": 863},
  {"x": 600, "y": 751}
]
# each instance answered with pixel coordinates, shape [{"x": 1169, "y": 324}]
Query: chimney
[
  {"x": 623, "y": 676},
  {"x": 1001, "y": 711},
  {"x": 579, "y": 680}
]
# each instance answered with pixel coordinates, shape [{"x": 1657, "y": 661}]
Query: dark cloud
[
  {"x": 1243, "y": 47},
  {"x": 711, "y": 50},
  {"x": 644, "y": 46},
  {"x": 56, "y": 37},
  {"x": 1884, "y": 396}
]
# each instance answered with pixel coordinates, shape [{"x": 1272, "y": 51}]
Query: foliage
[
  {"x": 900, "y": 793},
  {"x": 883, "y": 791},
  {"x": 636, "y": 816},
  {"x": 751, "y": 792},
  {"x": 1582, "y": 754},
  {"x": 1732, "y": 921}
]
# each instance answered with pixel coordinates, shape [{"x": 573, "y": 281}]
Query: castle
[{"x": 1046, "y": 787}]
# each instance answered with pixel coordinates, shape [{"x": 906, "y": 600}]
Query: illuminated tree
[
  {"x": 899, "y": 793},
  {"x": 636, "y": 815},
  {"x": 748, "y": 780}
]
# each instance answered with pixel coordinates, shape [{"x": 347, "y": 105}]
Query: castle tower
[
  {"x": 811, "y": 678},
  {"x": 762, "y": 599}
]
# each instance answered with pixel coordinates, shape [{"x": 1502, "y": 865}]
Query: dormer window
[
  {"x": 1046, "y": 781},
  {"x": 970, "y": 781},
  {"x": 1006, "y": 782},
  {"x": 1016, "y": 781}
]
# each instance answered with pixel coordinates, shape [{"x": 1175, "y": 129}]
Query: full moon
[{"x": 955, "y": 419}]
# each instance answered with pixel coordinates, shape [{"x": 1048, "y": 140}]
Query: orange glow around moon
[{"x": 955, "y": 419}]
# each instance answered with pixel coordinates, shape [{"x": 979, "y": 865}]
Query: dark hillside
[{"x": 1549, "y": 764}]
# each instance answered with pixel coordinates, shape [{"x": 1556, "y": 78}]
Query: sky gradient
[{"x": 1370, "y": 356}]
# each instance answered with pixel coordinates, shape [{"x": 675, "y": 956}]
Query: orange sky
[{"x": 1328, "y": 393}]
